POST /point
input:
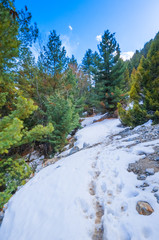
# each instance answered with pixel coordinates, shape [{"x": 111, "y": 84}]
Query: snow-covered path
[{"x": 87, "y": 195}]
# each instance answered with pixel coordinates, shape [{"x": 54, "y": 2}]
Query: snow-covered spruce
[{"x": 90, "y": 194}]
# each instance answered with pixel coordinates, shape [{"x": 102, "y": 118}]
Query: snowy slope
[
  {"x": 88, "y": 195},
  {"x": 97, "y": 132}
]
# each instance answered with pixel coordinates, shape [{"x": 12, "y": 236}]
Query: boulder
[
  {"x": 144, "y": 208},
  {"x": 155, "y": 189},
  {"x": 74, "y": 150}
]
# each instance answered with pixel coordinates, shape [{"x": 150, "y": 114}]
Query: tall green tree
[
  {"x": 27, "y": 35},
  {"x": 55, "y": 55},
  {"x": 109, "y": 76}
]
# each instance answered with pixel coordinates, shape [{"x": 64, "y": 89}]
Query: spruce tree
[
  {"x": 8, "y": 36},
  {"x": 73, "y": 61},
  {"x": 55, "y": 55},
  {"x": 87, "y": 62},
  {"x": 110, "y": 73}
]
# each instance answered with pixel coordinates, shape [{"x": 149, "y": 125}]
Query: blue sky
[{"x": 134, "y": 21}]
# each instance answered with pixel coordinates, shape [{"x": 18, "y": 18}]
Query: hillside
[{"x": 93, "y": 190}]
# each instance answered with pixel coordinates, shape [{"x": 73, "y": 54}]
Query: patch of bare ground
[{"x": 149, "y": 161}]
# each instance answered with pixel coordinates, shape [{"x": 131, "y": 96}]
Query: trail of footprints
[
  {"x": 100, "y": 229},
  {"x": 99, "y": 209},
  {"x": 104, "y": 196}
]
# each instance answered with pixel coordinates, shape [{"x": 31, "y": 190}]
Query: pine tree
[
  {"x": 110, "y": 73},
  {"x": 8, "y": 39},
  {"x": 55, "y": 55},
  {"x": 87, "y": 62},
  {"x": 62, "y": 114},
  {"x": 73, "y": 61},
  {"x": 25, "y": 72}
]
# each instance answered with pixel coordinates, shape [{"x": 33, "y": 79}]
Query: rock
[
  {"x": 74, "y": 150},
  {"x": 157, "y": 197},
  {"x": 145, "y": 185},
  {"x": 144, "y": 208},
  {"x": 140, "y": 152},
  {"x": 141, "y": 177},
  {"x": 1, "y": 216},
  {"x": 130, "y": 167},
  {"x": 150, "y": 171},
  {"x": 157, "y": 158},
  {"x": 155, "y": 189},
  {"x": 85, "y": 145}
]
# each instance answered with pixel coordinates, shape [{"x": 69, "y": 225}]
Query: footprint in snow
[
  {"x": 115, "y": 173},
  {"x": 132, "y": 194},
  {"x": 104, "y": 187},
  {"x": 110, "y": 197},
  {"x": 110, "y": 193},
  {"x": 118, "y": 158},
  {"x": 84, "y": 205},
  {"x": 94, "y": 164},
  {"x": 119, "y": 187},
  {"x": 124, "y": 207},
  {"x": 147, "y": 232},
  {"x": 92, "y": 188},
  {"x": 97, "y": 173},
  {"x": 124, "y": 234},
  {"x": 91, "y": 173},
  {"x": 110, "y": 211}
]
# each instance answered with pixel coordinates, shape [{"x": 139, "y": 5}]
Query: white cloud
[
  {"x": 99, "y": 38},
  {"x": 35, "y": 51},
  {"x": 70, "y": 27},
  {"x": 126, "y": 55},
  {"x": 70, "y": 46},
  {"x": 66, "y": 43}
]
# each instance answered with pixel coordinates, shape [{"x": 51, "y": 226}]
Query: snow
[
  {"x": 130, "y": 138},
  {"x": 58, "y": 204},
  {"x": 130, "y": 105},
  {"x": 97, "y": 132},
  {"x": 147, "y": 124},
  {"x": 89, "y": 120},
  {"x": 50, "y": 206},
  {"x": 146, "y": 148}
]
